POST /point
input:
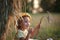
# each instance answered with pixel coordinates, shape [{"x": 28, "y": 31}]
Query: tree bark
[{"x": 8, "y": 11}]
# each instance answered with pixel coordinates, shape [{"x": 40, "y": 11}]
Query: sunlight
[{"x": 36, "y": 3}]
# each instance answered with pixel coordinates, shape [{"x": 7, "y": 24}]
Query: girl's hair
[
  {"x": 19, "y": 21},
  {"x": 23, "y": 15},
  {"x": 26, "y": 15}
]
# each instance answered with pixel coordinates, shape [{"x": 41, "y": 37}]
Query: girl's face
[{"x": 26, "y": 22}]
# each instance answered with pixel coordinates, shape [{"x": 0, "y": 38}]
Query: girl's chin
[{"x": 26, "y": 27}]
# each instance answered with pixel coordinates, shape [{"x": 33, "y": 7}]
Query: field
[{"x": 50, "y": 27}]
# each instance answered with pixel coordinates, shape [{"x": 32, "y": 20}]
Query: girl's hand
[
  {"x": 30, "y": 30},
  {"x": 38, "y": 26}
]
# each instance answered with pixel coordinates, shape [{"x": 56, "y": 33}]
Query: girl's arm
[
  {"x": 36, "y": 29},
  {"x": 27, "y": 37}
]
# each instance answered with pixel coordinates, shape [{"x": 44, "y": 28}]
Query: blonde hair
[{"x": 26, "y": 15}]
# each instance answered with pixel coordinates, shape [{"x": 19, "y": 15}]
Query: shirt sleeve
[{"x": 20, "y": 34}]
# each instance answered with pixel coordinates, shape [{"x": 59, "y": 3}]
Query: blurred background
[{"x": 50, "y": 9}]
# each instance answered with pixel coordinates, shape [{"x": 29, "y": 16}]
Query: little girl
[{"x": 24, "y": 31}]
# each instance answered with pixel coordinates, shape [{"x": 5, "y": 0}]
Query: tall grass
[{"x": 47, "y": 30}]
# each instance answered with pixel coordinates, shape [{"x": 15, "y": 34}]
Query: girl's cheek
[{"x": 29, "y": 24}]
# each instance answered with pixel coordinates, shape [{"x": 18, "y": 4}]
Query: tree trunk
[{"x": 8, "y": 11}]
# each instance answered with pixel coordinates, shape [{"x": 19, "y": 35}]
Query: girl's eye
[{"x": 26, "y": 21}]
